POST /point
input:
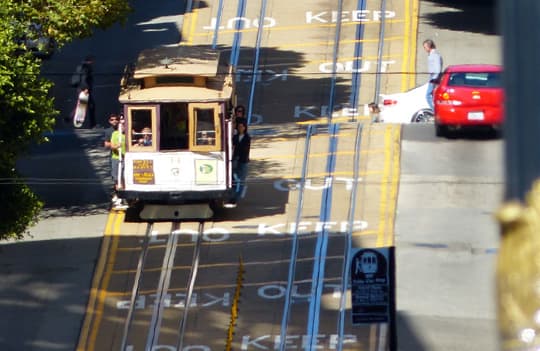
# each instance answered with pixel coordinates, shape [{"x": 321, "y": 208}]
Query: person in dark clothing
[
  {"x": 86, "y": 82},
  {"x": 374, "y": 112},
  {"x": 114, "y": 121},
  {"x": 239, "y": 115},
  {"x": 241, "y": 147},
  {"x": 239, "y": 112}
]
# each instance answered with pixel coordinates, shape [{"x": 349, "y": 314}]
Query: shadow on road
[
  {"x": 45, "y": 286},
  {"x": 474, "y": 16},
  {"x": 406, "y": 335}
]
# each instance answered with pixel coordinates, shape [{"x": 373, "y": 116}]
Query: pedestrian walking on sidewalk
[{"x": 435, "y": 64}]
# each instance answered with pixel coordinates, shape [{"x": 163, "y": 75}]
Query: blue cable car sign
[{"x": 372, "y": 285}]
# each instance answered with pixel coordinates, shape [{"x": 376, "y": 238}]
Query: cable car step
[{"x": 153, "y": 212}]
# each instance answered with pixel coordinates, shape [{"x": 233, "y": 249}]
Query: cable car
[{"x": 178, "y": 130}]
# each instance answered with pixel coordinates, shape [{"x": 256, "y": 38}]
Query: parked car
[
  {"x": 469, "y": 95},
  {"x": 407, "y": 107}
]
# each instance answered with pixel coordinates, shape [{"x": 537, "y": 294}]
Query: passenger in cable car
[
  {"x": 205, "y": 138},
  {"x": 146, "y": 139},
  {"x": 118, "y": 151}
]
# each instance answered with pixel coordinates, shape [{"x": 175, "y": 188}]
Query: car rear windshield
[{"x": 476, "y": 79}]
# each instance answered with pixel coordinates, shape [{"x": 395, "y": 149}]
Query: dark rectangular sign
[{"x": 372, "y": 285}]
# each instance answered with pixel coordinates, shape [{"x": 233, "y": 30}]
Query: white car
[{"x": 407, "y": 107}]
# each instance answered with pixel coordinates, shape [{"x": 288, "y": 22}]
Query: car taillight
[
  {"x": 445, "y": 98},
  {"x": 387, "y": 102}
]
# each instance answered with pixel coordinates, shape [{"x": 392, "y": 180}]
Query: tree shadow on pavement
[{"x": 475, "y": 16}]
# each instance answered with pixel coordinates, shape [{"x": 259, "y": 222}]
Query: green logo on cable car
[{"x": 206, "y": 168}]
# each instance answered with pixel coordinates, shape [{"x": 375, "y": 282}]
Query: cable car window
[
  {"x": 174, "y": 129},
  {"x": 141, "y": 134},
  {"x": 205, "y": 128}
]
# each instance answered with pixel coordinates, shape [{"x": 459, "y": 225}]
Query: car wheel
[
  {"x": 423, "y": 116},
  {"x": 440, "y": 131}
]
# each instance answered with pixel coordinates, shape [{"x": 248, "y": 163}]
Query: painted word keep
[{"x": 347, "y": 16}]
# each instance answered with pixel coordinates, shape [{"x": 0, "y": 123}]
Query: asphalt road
[
  {"x": 46, "y": 277},
  {"x": 445, "y": 233}
]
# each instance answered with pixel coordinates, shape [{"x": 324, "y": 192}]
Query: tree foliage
[
  {"x": 26, "y": 107},
  {"x": 66, "y": 20}
]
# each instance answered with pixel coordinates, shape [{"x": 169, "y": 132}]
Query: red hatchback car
[{"x": 469, "y": 95}]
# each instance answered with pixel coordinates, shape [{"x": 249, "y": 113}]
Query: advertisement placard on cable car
[
  {"x": 370, "y": 286},
  {"x": 143, "y": 172},
  {"x": 206, "y": 172}
]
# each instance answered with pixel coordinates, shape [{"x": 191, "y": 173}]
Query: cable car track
[
  {"x": 162, "y": 287},
  {"x": 320, "y": 253},
  {"x": 323, "y": 236},
  {"x": 332, "y": 130},
  {"x": 316, "y": 259}
]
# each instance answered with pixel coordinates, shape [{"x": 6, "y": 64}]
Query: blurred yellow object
[{"x": 518, "y": 274}]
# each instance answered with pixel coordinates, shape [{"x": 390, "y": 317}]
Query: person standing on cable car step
[
  {"x": 118, "y": 151},
  {"x": 241, "y": 147}
]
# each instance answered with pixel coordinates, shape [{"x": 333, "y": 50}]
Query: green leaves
[
  {"x": 20, "y": 208},
  {"x": 26, "y": 106},
  {"x": 66, "y": 20}
]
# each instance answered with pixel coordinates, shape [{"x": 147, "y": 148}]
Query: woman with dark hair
[
  {"x": 241, "y": 147},
  {"x": 239, "y": 115}
]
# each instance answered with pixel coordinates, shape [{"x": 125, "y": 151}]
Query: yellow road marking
[
  {"x": 388, "y": 182},
  {"x": 192, "y": 29},
  {"x": 188, "y": 27},
  {"x": 406, "y": 48},
  {"x": 83, "y": 337},
  {"x": 384, "y": 190},
  {"x": 111, "y": 258},
  {"x": 316, "y": 155},
  {"x": 408, "y": 80},
  {"x": 185, "y": 34},
  {"x": 390, "y": 178},
  {"x": 366, "y": 232},
  {"x": 414, "y": 38},
  {"x": 96, "y": 300},
  {"x": 394, "y": 182}
]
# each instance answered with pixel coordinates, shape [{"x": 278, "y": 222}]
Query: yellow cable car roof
[
  {"x": 175, "y": 94},
  {"x": 211, "y": 79},
  {"x": 177, "y": 60}
]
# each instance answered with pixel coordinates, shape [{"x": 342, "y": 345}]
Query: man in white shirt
[{"x": 434, "y": 69}]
